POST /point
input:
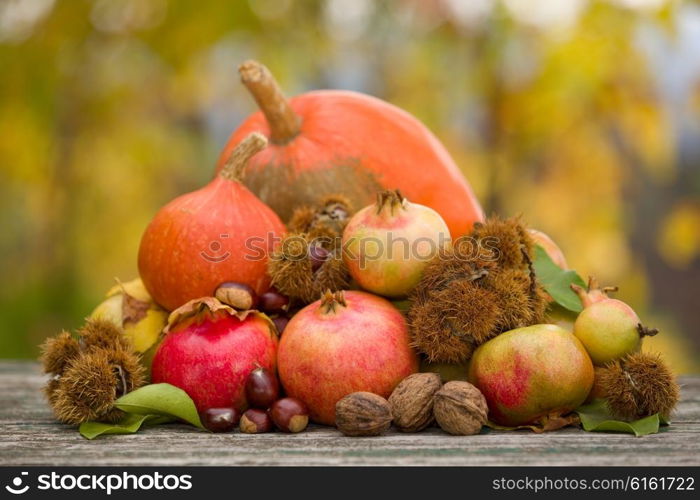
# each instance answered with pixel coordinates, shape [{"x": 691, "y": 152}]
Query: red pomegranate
[
  {"x": 219, "y": 233},
  {"x": 335, "y": 141},
  {"x": 345, "y": 342},
  {"x": 210, "y": 349}
]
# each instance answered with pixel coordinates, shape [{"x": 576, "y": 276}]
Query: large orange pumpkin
[{"x": 335, "y": 141}]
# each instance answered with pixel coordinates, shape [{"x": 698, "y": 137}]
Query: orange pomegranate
[{"x": 336, "y": 141}]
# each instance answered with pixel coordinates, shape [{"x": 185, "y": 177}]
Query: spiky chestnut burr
[
  {"x": 507, "y": 240},
  {"x": 296, "y": 272},
  {"x": 326, "y": 219},
  {"x": 450, "y": 323},
  {"x": 90, "y": 372},
  {"x": 57, "y": 351},
  {"x": 309, "y": 259},
  {"x": 93, "y": 381},
  {"x": 639, "y": 385},
  {"x": 520, "y": 303},
  {"x": 466, "y": 298}
]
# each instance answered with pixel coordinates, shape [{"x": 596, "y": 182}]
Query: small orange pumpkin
[
  {"x": 335, "y": 141},
  {"x": 218, "y": 233}
]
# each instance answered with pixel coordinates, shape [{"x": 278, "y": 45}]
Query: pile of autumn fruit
[{"x": 338, "y": 269}]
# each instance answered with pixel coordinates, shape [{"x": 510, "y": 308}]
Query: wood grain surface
[{"x": 30, "y": 436}]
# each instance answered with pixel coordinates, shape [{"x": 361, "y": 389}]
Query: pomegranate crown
[
  {"x": 391, "y": 200},
  {"x": 332, "y": 301},
  {"x": 594, "y": 292}
]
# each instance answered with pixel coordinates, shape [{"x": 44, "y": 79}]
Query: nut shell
[
  {"x": 289, "y": 415},
  {"x": 460, "y": 408},
  {"x": 412, "y": 401},
  {"x": 237, "y": 295},
  {"x": 362, "y": 414},
  {"x": 255, "y": 421}
]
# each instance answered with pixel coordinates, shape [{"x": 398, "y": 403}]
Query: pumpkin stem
[
  {"x": 332, "y": 301},
  {"x": 244, "y": 151},
  {"x": 390, "y": 200},
  {"x": 284, "y": 123}
]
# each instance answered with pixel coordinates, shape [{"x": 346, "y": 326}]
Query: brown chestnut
[
  {"x": 317, "y": 256},
  {"x": 280, "y": 323},
  {"x": 255, "y": 421},
  {"x": 290, "y": 415},
  {"x": 273, "y": 302},
  {"x": 337, "y": 211},
  {"x": 261, "y": 388},
  {"x": 220, "y": 419},
  {"x": 237, "y": 295}
]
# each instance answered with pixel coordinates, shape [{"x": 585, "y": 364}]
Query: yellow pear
[{"x": 129, "y": 306}]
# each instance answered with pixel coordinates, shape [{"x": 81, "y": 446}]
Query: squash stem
[
  {"x": 244, "y": 151},
  {"x": 284, "y": 123}
]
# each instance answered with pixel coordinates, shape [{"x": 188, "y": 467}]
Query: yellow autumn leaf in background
[{"x": 680, "y": 237}]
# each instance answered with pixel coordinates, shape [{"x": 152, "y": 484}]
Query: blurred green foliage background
[{"x": 583, "y": 115}]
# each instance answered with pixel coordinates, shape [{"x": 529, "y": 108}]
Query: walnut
[
  {"x": 362, "y": 414},
  {"x": 460, "y": 408},
  {"x": 412, "y": 401}
]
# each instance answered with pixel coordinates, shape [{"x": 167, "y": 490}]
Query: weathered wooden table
[{"x": 30, "y": 436}]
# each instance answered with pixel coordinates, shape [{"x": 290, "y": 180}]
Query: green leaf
[
  {"x": 557, "y": 281},
  {"x": 160, "y": 399},
  {"x": 595, "y": 417},
  {"x": 130, "y": 424},
  {"x": 150, "y": 405}
]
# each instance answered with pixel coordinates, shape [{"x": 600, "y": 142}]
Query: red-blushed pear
[
  {"x": 532, "y": 375},
  {"x": 346, "y": 342},
  {"x": 210, "y": 349}
]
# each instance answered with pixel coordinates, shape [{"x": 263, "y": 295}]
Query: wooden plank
[{"x": 30, "y": 436}]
